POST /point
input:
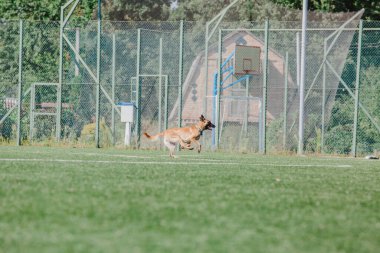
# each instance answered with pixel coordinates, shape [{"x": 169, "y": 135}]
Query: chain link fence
[{"x": 163, "y": 74}]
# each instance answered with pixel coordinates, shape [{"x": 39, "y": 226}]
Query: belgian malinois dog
[{"x": 185, "y": 136}]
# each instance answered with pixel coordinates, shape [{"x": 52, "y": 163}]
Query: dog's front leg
[
  {"x": 186, "y": 144},
  {"x": 199, "y": 146}
]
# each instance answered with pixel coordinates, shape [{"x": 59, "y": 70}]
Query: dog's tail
[{"x": 153, "y": 137}]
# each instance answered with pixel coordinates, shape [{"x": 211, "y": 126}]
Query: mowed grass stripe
[{"x": 192, "y": 162}]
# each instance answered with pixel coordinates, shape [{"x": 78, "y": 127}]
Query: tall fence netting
[{"x": 168, "y": 99}]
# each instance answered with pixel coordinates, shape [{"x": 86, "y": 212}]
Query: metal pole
[
  {"x": 160, "y": 90},
  {"x": 298, "y": 55},
  {"x": 97, "y": 116},
  {"x": 180, "y": 74},
  {"x": 166, "y": 102},
  {"x": 113, "y": 88},
  {"x": 357, "y": 84},
  {"x": 285, "y": 100},
  {"x": 302, "y": 80},
  {"x": 32, "y": 108},
  {"x": 77, "y": 47},
  {"x": 209, "y": 33},
  {"x": 204, "y": 109},
  {"x": 218, "y": 91},
  {"x": 60, "y": 79},
  {"x": 265, "y": 83},
  {"x": 323, "y": 98},
  {"x": 261, "y": 125},
  {"x": 247, "y": 106},
  {"x": 63, "y": 22},
  {"x": 138, "y": 89},
  {"x": 20, "y": 95}
]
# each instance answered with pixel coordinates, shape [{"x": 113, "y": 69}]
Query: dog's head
[{"x": 205, "y": 124}]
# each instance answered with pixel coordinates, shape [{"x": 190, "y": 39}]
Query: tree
[
  {"x": 247, "y": 10},
  {"x": 137, "y": 10},
  {"x": 132, "y": 10},
  {"x": 372, "y": 7},
  {"x": 258, "y": 10},
  {"x": 42, "y": 9}
]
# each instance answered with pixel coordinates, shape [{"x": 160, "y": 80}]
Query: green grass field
[{"x": 108, "y": 200}]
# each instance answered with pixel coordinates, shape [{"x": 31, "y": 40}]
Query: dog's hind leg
[{"x": 171, "y": 147}]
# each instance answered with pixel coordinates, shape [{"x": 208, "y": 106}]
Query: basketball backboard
[{"x": 247, "y": 60}]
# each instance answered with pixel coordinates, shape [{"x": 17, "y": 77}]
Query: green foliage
[
  {"x": 258, "y": 10},
  {"x": 369, "y": 97},
  {"x": 316, "y": 144},
  {"x": 275, "y": 135},
  {"x": 339, "y": 139},
  {"x": 9, "y": 40},
  {"x": 6, "y": 128},
  {"x": 370, "y": 89},
  {"x": 340, "y": 130},
  {"x": 137, "y": 10},
  {"x": 199, "y": 10},
  {"x": 40, "y": 54},
  {"x": 88, "y": 133},
  {"x": 42, "y": 9},
  {"x": 372, "y": 7}
]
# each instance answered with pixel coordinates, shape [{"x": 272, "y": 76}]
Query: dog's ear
[{"x": 202, "y": 117}]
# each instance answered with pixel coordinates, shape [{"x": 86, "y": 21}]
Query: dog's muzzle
[{"x": 210, "y": 126}]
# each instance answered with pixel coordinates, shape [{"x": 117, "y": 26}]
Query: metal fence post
[
  {"x": 166, "y": 95},
  {"x": 180, "y": 74},
  {"x": 160, "y": 89},
  {"x": 138, "y": 89},
  {"x": 77, "y": 47},
  {"x": 20, "y": 93},
  {"x": 113, "y": 87},
  {"x": 32, "y": 109},
  {"x": 204, "y": 108},
  {"x": 218, "y": 92},
  {"x": 301, "y": 123},
  {"x": 286, "y": 99},
  {"x": 60, "y": 80},
  {"x": 246, "y": 114},
  {"x": 357, "y": 84},
  {"x": 265, "y": 83},
  {"x": 298, "y": 60},
  {"x": 97, "y": 116},
  {"x": 323, "y": 98}
]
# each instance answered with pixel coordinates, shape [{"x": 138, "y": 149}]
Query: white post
[
  {"x": 127, "y": 136},
  {"x": 261, "y": 128},
  {"x": 127, "y": 116},
  {"x": 302, "y": 80}
]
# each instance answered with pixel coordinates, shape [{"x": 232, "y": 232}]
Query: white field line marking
[
  {"x": 208, "y": 159},
  {"x": 306, "y": 165},
  {"x": 83, "y": 153},
  {"x": 115, "y": 155},
  {"x": 172, "y": 162},
  {"x": 195, "y": 155},
  {"x": 115, "y": 162}
]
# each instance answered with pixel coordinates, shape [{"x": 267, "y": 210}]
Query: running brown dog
[{"x": 185, "y": 136}]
